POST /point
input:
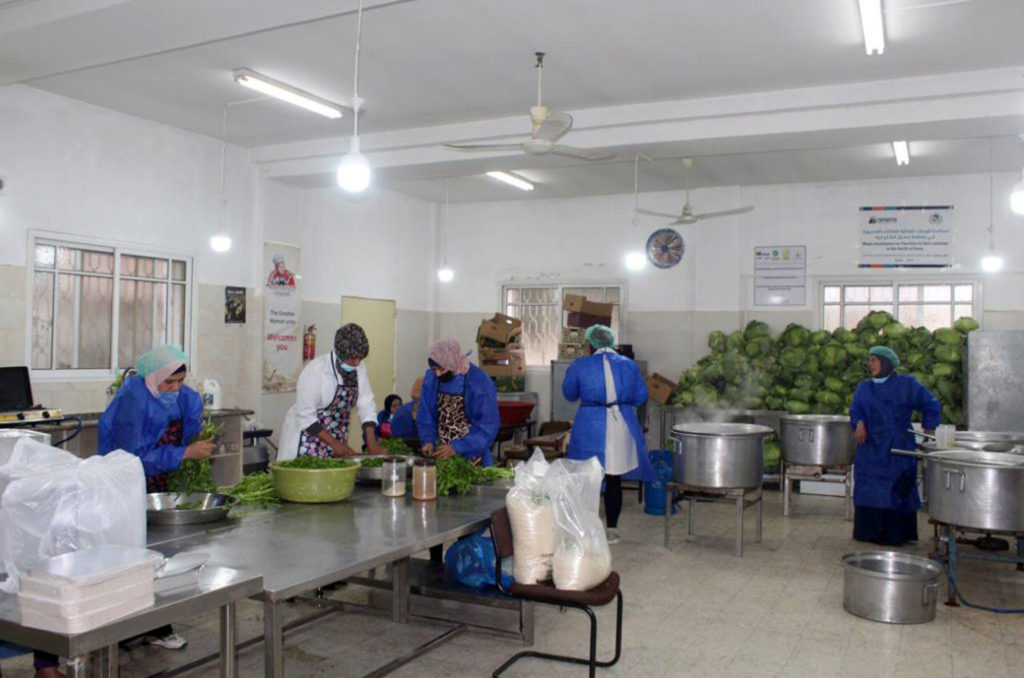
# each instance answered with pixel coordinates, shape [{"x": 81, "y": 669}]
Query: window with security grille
[
  {"x": 98, "y": 308},
  {"x": 917, "y": 304},
  {"x": 540, "y": 309}
]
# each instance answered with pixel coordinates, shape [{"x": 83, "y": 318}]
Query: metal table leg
[
  {"x": 228, "y": 650},
  {"x": 668, "y": 512},
  {"x": 400, "y": 591},
  {"x": 273, "y": 640},
  {"x": 848, "y": 486},
  {"x": 760, "y": 516},
  {"x": 787, "y": 490},
  {"x": 739, "y": 525},
  {"x": 689, "y": 516}
]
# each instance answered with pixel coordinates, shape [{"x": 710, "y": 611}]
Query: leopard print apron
[
  {"x": 452, "y": 422},
  {"x": 334, "y": 418}
]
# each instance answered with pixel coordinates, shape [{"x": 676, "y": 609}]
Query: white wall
[
  {"x": 75, "y": 168},
  {"x": 670, "y": 312}
]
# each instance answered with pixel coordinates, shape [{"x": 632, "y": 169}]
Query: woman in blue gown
[
  {"x": 885, "y": 485},
  {"x": 609, "y": 387}
]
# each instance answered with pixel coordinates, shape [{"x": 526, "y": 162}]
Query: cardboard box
[
  {"x": 660, "y": 389},
  {"x": 585, "y": 320},
  {"x": 577, "y": 303},
  {"x": 573, "y": 335},
  {"x": 572, "y": 351},
  {"x": 503, "y": 363},
  {"x": 501, "y": 330}
]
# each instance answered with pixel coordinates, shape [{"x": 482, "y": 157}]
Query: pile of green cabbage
[{"x": 804, "y": 371}]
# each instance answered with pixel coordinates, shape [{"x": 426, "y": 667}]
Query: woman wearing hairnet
[
  {"x": 458, "y": 410},
  {"x": 885, "y": 485},
  {"x": 329, "y": 387},
  {"x": 609, "y": 387},
  {"x": 153, "y": 416}
]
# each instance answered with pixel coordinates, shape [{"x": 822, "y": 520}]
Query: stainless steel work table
[
  {"x": 299, "y": 548},
  {"x": 218, "y": 587}
]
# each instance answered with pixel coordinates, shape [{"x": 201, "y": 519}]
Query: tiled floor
[{"x": 694, "y": 610}]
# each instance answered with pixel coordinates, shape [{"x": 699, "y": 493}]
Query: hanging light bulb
[
  {"x": 991, "y": 262},
  {"x": 220, "y": 242},
  {"x": 1017, "y": 197},
  {"x": 354, "y": 171},
  {"x": 445, "y": 274},
  {"x": 636, "y": 261}
]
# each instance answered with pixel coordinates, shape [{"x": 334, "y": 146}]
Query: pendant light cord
[
  {"x": 991, "y": 198},
  {"x": 223, "y": 167},
  {"x": 356, "y": 103},
  {"x": 444, "y": 223}
]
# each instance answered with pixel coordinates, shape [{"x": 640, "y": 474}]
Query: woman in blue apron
[
  {"x": 153, "y": 416},
  {"x": 609, "y": 387},
  {"x": 885, "y": 495},
  {"x": 458, "y": 410},
  {"x": 330, "y": 386}
]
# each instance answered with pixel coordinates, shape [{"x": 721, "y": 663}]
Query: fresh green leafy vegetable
[
  {"x": 256, "y": 489},
  {"x": 398, "y": 447},
  {"x": 457, "y": 475},
  {"x": 313, "y": 463},
  {"x": 375, "y": 462},
  {"x": 195, "y": 475},
  {"x": 188, "y": 506}
]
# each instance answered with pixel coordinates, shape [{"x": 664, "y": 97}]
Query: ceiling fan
[
  {"x": 548, "y": 127},
  {"x": 687, "y": 215}
]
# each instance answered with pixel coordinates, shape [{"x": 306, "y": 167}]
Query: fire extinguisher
[{"x": 309, "y": 343}]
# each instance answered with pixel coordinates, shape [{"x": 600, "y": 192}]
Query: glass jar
[
  {"x": 392, "y": 477},
  {"x": 424, "y": 480}
]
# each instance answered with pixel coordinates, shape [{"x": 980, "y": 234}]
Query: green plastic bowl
[{"x": 314, "y": 486}]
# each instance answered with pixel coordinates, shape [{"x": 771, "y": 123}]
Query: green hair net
[
  {"x": 887, "y": 353},
  {"x": 158, "y": 358},
  {"x": 600, "y": 336}
]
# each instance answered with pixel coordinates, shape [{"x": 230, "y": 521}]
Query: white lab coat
[
  {"x": 317, "y": 385},
  {"x": 620, "y": 456}
]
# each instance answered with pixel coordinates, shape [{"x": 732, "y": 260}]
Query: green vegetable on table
[
  {"x": 195, "y": 475},
  {"x": 256, "y": 489},
  {"x": 457, "y": 475},
  {"x": 375, "y": 462},
  {"x": 397, "y": 447},
  {"x": 313, "y": 463}
]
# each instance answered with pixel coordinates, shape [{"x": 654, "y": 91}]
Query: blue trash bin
[{"x": 654, "y": 492}]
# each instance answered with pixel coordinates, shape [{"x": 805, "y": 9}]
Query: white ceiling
[{"x": 764, "y": 92}]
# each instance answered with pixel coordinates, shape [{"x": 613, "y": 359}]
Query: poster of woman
[{"x": 282, "y": 326}]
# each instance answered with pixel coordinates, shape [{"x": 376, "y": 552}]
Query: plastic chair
[{"x": 602, "y": 594}]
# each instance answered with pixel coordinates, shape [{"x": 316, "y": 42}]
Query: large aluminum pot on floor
[{"x": 891, "y": 587}]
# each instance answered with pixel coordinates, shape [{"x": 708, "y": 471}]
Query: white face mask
[{"x": 880, "y": 380}]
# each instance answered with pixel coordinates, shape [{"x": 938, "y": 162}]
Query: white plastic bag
[
  {"x": 54, "y": 503},
  {"x": 533, "y": 525},
  {"x": 582, "y": 558}
]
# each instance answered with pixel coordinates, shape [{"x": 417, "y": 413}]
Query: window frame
[
  {"x": 118, "y": 249},
  {"x": 895, "y": 282},
  {"x": 561, "y": 286}
]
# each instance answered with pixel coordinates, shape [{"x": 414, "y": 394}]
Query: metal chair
[{"x": 602, "y": 594}]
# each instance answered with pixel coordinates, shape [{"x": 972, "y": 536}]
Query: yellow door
[{"x": 377, "y": 318}]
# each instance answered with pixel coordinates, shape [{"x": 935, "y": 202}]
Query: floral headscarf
[
  {"x": 350, "y": 342},
  {"x": 449, "y": 356}
]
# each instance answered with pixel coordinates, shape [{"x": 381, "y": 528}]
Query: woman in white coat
[{"x": 330, "y": 386}]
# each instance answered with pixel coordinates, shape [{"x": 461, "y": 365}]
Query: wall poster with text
[{"x": 282, "y": 325}]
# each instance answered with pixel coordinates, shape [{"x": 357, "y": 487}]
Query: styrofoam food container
[
  {"x": 97, "y": 617},
  {"x": 70, "y": 609}
]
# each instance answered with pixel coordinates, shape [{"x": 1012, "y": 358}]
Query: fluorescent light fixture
[
  {"x": 284, "y": 92},
  {"x": 1017, "y": 198},
  {"x": 872, "y": 26},
  {"x": 901, "y": 149},
  {"x": 445, "y": 274},
  {"x": 992, "y": 263},
  {"x": 512, "y": 180},
  {"x": 220, "y": 242},
  {"x": 635, "y": 261}
]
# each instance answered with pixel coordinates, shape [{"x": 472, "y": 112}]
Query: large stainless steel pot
[
  {"x": 719, "y": 455},
  {"x": 817, "y": 439},
  {"x": 969, "y": 488},
  {"x": 989, "y": 441},
  {"x": 886, "y": 586}
]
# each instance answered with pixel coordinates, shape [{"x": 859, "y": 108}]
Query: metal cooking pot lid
[
  {"x": 709, "y": 428},
  {"x": 990, "y": 436},
  {"x": 979, "y": 458},
  {"x": 816, "y": 418}
]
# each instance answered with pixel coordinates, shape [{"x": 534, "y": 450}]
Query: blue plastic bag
[{"x": 471, "y": 562}]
